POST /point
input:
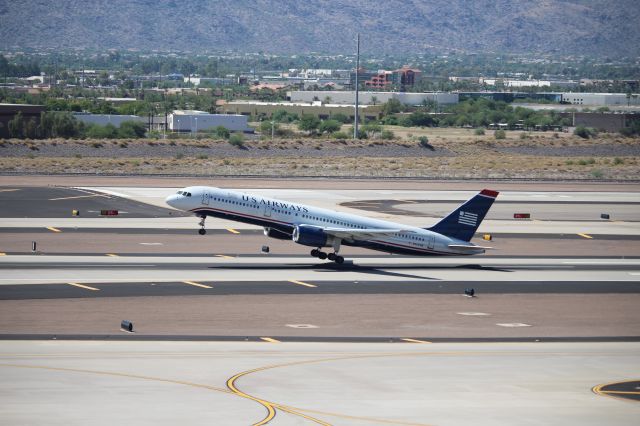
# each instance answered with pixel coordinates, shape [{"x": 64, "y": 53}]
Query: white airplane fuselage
[{"x": 318, "y": 227}]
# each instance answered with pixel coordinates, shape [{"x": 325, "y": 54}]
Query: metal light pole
[
  {"x": 355, "y": 119},
  {"x": 196, "y": 127}
]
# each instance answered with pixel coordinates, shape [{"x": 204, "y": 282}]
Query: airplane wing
[{"x": 362, "y": 234}]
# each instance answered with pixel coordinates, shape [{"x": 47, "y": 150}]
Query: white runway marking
[{"x": 514, "y": 324}]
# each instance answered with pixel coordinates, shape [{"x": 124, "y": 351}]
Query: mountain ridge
[{"x": 589, "y": 27}]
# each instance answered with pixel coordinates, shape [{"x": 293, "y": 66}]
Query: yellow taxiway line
[
  {"x": 193, "y": 283},
  {"x": 9, "y": 190},
  {"x": 111, "y": 255},
  {"x": 270, "y": 340},
  {"x": 224, "y": 256},
  {"x": 233, "y": 231},
  {"x": 86, "y": 287},
  {"x": 415, "y": 341},
  {"x": 52, "y": 229},
  {"x": 587, "y": 236},
  {"x": 302, "y": 283}
]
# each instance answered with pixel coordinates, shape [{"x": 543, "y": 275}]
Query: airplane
[{"x": 321, "y": 228}]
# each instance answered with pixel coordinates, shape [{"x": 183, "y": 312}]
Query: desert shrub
[
  {"x": 500, "y": 134},
  {"x": 387, "y": 135},
  {"x": 585, "y": 132},
  {"x": 237, "y": 140},
  {"x": 423, "y": 141},
  {"x": 479, "y": 132}
]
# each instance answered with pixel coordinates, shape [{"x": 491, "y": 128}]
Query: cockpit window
[
  {"x": 188, "y": 194},
  {"x": 179, "y": 192}
]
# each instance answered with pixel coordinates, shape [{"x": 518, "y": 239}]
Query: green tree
[
  {"x": 308, "y": 123},
  {"x": 222, "y": 132},
  {"x": 16, "y": 126},
  {"x": 266, "y": 127},
  {"x": 96, "y": 131},
  {"x": 329, "y": 126},
  {"x": 371, "y": 129},
  {"x": 340, "y": 117},
  {"x": 132, "y": 129},
  {"x": 392, "y": 106}
]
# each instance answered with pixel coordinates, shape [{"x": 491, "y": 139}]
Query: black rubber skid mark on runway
[{"x": 137, "y": 289}]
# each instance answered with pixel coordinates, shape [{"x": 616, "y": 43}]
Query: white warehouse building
[
  {"x": 194, "y": 121},
  {"x": 371, "y": 98}
]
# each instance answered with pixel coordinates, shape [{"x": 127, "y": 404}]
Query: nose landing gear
[{"x": 202, "y": 231}]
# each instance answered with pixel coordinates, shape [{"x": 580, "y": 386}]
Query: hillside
[{"x": 598, "y": 27}]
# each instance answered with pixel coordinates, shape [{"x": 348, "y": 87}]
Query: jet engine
[
  {"x": 312, "y": 236},
  {"x": 274, "y": 233}
]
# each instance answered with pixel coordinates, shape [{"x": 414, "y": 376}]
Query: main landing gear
[
  {"x": 334, "y": 257},
  {"x": 202, "y": 231}
]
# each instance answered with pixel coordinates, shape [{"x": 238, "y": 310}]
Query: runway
[{"x": 381, "y": 339}]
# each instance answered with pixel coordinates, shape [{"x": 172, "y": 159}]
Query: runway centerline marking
[
  {"x": 233, "y": 231},
  {"x": 77, "y": 196},
  {"x": 86, "y": 287},
  {"x": 302, "y": 283},
  {"x": 415, "y": 340},
  {"x": 270, "y": 340},
  {"x": 52, "y": 229},
  {"x": 193, "y": 283},
  {"x": 587, "y": 236}
]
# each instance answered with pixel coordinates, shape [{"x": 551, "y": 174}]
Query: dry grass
[
  {"x": 473, "y": 157},
  {"x": 462, "y": 166}
]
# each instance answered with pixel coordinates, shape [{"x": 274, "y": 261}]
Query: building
[
  {"x": 9, "y": 111},
  {"x": 372, "y": 98},
  {"x": 212, "y": 81},
  {"x": 600, "y": 99},
  {"x": 318, "y": 109},
  {"x": 194, "y": 121},
  {"x": 401, "y": 79},
  {"x": 104, "y": 119},
  {"x": 602, "y": 121},
  {"x": 406, "y": 77}
]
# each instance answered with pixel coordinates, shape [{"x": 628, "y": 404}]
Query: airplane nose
[{"x": 171, "y": 200}]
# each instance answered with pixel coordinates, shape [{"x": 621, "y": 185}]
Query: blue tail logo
[{"x": 463, "y": 222}]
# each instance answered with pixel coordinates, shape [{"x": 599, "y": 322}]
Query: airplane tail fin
[{"x": 463, "y": 222}]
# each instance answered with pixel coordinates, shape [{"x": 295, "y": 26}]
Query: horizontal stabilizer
[{"x": 465, "y": 247}]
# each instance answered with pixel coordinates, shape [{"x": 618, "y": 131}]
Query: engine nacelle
[
  {"x": 274, "y": 233},
  {"x": 313, "y": 236}
]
